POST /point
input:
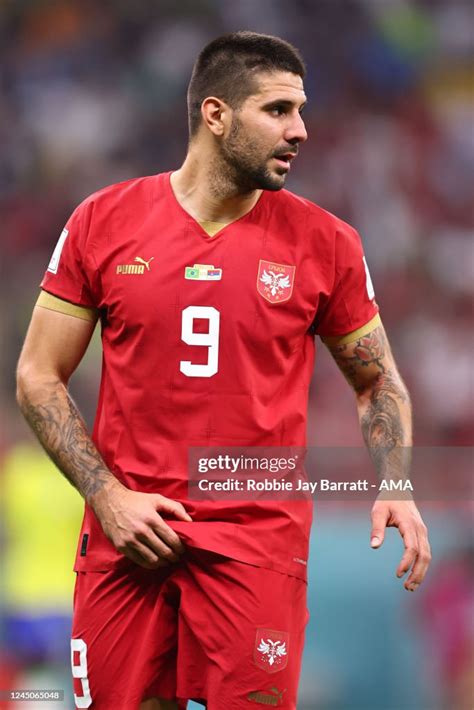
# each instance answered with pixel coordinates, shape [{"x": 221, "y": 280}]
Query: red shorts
[{"x": 210, "y": 629}]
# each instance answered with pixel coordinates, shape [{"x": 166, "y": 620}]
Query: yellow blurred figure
[{"x": 42, "y": 516}]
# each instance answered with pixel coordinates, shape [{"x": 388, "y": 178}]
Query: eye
[{"x": 279, "y": 110}]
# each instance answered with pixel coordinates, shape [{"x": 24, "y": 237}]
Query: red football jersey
[{"x": 207, "y": 341}]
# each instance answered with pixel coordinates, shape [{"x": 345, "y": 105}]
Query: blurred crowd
[{"x": 93, "y": 92}]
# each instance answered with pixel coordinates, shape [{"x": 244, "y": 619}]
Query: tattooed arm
[
  {"x": 382, "y": 400},
  {"x": 54, "y": 346},
  {"x": 384, "y": 410}
]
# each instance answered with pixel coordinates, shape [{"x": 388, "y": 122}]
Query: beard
[{"x": 243, "y": 164}]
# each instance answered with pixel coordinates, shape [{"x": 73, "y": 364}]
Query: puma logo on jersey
[
  {"x": 138, "y": 268},
  {"x": 144, "y": 262}
]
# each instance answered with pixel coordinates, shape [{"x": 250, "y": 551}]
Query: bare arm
[
  {"x": 384, "y": 410},
  {"x": 54, "y": 346},
  {"x": 383, "y": 402}
]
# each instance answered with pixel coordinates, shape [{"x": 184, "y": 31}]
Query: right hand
[{"x": 132, "y": 522}]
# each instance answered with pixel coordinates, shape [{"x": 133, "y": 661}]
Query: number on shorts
[
  {"x": 210, "y": 340},
  {"x": 80, "y": 671}
]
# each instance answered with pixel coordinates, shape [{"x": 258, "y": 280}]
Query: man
[{"x": 210, "y": 283}]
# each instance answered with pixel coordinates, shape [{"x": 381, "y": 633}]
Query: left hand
[{"x": 404, "y": 515}]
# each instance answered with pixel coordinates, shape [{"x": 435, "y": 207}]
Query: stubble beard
[{"x": 241, "y": 168}]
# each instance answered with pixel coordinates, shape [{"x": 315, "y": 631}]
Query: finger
[
  {"x": 172, "y": 506},
  {"x": 379, "y": 523},
  {"x": 411, "y": 550},
  {"x": 142, "y": 555},
  {"x": 156, "y": 544},
  {"x": 167, "y": 536},
  {"x": 421, "y": 565}
]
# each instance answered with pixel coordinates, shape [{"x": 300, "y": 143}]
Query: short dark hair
[{"x": 226, "y": 68}]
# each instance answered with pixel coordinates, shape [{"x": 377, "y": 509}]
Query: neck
[{"x": 206, "y": 190}]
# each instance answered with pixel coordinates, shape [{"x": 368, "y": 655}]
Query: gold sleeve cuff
[
  {"x": 53, "y": 303},
  {"x": 355, "y": 335}
]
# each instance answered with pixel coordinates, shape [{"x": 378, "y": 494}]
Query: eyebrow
[{"x": 283, "y": 102}]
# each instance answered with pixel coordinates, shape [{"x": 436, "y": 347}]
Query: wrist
[{"x": 101, "y": 495}]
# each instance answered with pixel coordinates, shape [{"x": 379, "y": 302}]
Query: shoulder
[
  {"x": 319, "y": 225},
  {"x": 112, "y": 209},
  {"x": 316, "y": 215},
  {"x": 123, "y": 193}
]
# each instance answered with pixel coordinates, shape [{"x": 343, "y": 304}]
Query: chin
[
  {"x": 276, "y": 184},
  {"x": 262, "y": 179},
  {"x": 272, "y": 181}
]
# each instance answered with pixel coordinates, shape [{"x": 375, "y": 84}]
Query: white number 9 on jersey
[{"x": 209, "y": 340}]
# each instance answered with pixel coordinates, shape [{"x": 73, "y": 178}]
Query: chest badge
[
  {"x": 275, "y": 281},
  {"x": 202, "y": 272}
]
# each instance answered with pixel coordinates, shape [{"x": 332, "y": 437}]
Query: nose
[{"x": 296, "y": 130}]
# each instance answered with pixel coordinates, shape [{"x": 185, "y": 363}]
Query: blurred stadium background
[{"x": 94, "y": 92}]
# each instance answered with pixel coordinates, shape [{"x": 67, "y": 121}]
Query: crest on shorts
[
  {"x": 275, "y": 281},
  {"x": 271, "y": 650}
]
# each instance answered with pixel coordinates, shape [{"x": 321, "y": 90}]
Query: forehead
[{"x": 278, "y": 85}]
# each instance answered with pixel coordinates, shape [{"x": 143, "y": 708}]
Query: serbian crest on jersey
[
  {"x": 275, "y": 281},
  {"x": 271, "y": 650}
]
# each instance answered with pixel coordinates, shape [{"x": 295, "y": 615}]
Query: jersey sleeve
[
  {"x": 53, "y": 303},
  {"x": 351, "y": 304},
  {"x": 71, "y": 274}
]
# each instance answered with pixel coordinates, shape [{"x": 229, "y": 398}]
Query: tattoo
[
  {"x": 62, "y": 432},
  {"x": 384, "y": 408},
  {"x": 381, "y": 424},
  {"x": 367, "y": 351},
  {"x": 384, "y": 431}
]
